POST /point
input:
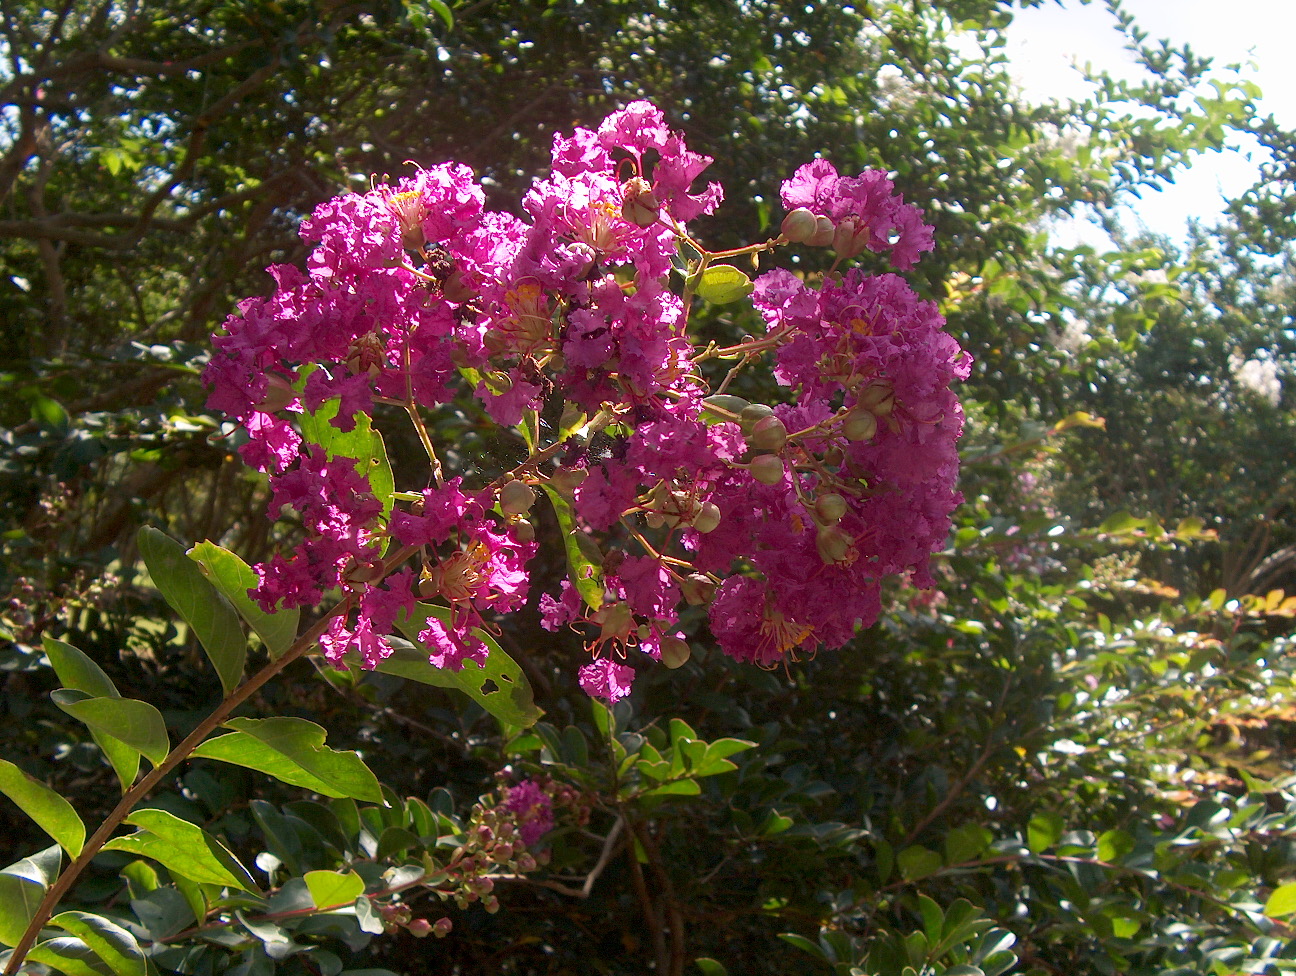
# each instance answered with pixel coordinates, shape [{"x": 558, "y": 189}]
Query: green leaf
[
  {"x": 362, "y": 443},
  {"x": 233, "y": 577},
  {"x": 292, "y": 750},
  {"x": 918, "y": 862},
  {"x": 805, "y": 945},
  {"x": 52, "y": 813},
  {"x": 77, "y": 672},
  {"x": 1282, "y": 901},
  {"x": 710, "y": 967},
  {"x": 585, "y": 575},
  {"x": 680, "y": 787},
  {"x": 201, "y": 605},
  {"x": 1043, "y": 831},
  {"x": 966, "y": 842},
  {"x": 110, "y": 942},
  {"x": 1114, "y": 845},
  {"x": 70, "y": 956},
  {"x": 442, "y": 11},
  {"x": 19, "y": 898},
  {"x": 136, "y": 723},
  {"x": 22, "y": 886},
  {"x": 183, "y": 849},
  {"x": 722, "y": 284},
  {"x": 500, "y": 687},
  {"x": 329, "y": 889}
]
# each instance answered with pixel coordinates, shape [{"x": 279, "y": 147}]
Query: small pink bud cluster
[{"x": 782, "y": 519}]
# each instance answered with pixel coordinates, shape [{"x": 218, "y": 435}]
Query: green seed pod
[{"x": 524, "y": 531}]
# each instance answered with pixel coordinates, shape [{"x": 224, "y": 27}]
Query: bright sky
[{"x": 1044, "y": 43}]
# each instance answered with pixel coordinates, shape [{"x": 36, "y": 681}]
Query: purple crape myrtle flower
[
  {"x": 784, "y": 524},
  {"x": 532, "y": 809}
]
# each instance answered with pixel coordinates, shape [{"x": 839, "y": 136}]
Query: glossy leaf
[
  {"x": 292, "y": 750},
  {"x": 110, "y": 942},
  {"x": 136, "y": 723},
  {"x": 52, "y": 813},
  {"x": 1282, "y": 901},
  {"x": 233, "y": 577},
  {"x": 79, "y": 673},
  {"x": 70, "y": 956},
  {"x": 203, "y": 607},
  {"x": 500, "y": 687},
  {"x": 182, "y": 848},
  {"x": 22, "y": 886},
  {"x": 330, "y": 889}
]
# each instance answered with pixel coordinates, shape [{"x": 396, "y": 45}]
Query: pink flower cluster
[{"x": 783, "y": 519}]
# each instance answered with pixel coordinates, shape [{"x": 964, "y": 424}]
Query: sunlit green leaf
[
  {"x": 233, "y": 577},
  {"x": 52, "y": 813},
  {"x": 501, "y": 687},
  {"x": 109, "y": 941},
  {"x": 292, "y": 750},
  {"x": 182, "y": 848}
]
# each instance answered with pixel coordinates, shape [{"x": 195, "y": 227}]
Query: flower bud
[
  {"x": 859, "y": 425},
  {"x": 830, "y": 508},
  {"x": 566, "y": 479},
  {"x": 456, "y": 289},
  {"x": 833, "y": 544},
  {"x": 697, "y": 589},
  {"x": 278, "y": 394},
  {"x": 752, "y": 414},
  {"x": 516, "y": 497},
  {"x": 364, "y": 572},
  {"x": 799, "y": 226},
  {"x": 524, "y": 531},
  {"x": 768, "y": 435},
  {"x": 707, "y": 519},
  {"x": 767, "y": 469},
  {"x": 420, "y": 928},
  {"x": 441, "y": 927},
  {"x": 824, "y": 231},
  {"x": 639, "y": 204},
  {"x": 851, "y": 237},
  {"x": 878, "y": 398},
  {"x": 674, "y": 652}
]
